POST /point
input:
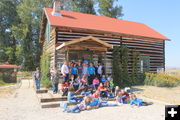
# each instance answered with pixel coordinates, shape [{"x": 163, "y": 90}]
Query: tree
[
  {"x": 8, "y": 18},
  {"x": 27, "y": 31},
  {"x": 109, "y": 8},
  {"x": 120, "y": 66},
  {"x": 84, "y": 6}
]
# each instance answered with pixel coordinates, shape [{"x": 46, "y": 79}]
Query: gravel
[{"x": 24, "y": 105}]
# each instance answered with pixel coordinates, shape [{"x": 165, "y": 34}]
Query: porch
[{"x": 86, "y": 48}]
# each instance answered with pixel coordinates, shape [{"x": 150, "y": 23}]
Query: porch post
[{"x": 105, "y": 64}]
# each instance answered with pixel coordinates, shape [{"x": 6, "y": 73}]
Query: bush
[
  {"x": 161, "y": 80},
  {"x": 45, "y": 65}
]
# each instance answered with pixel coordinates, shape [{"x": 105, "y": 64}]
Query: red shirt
[
  {"x": 100, "y": 88},
  {"x": 96, "y": 95}
]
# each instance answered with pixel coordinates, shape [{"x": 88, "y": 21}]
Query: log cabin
[{"x": 73, "y": 35}]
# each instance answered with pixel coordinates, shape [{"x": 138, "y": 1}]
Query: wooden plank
[
  {"x": 42, "y": 91},
  {"x": 55, "y": 104}
]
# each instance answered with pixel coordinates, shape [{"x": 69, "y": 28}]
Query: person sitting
[
  {"x": 86, "y": 91},
  {"x": 125, "y": 96},
  {"x": 84, "y": 80},
  {"x": 65, "y": 88},
  {"x": 77, "y": 83},
  {"x": 95, "y": 83},
  {"x": 135, "y": 101},
  {"x": 103, "y": 79},
  {"x": 119, "y": 100},
  {"x": 96, "y": 94},
  {"x": 77, "y": 108},
  {"x": 71, "y": 96},
  {"x": 117, "y": 90},
  {"x": 103, "y": 91}
]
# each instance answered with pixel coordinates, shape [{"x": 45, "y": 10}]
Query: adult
[
  {"x": 65, "y": 71},
  {"x": 55, "y": 80},
  {"x": 37, "y": 78},
  {"x": 100, "y": 70}
]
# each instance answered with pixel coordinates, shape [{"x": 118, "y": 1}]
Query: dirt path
[{"x": 23, "y": 105}]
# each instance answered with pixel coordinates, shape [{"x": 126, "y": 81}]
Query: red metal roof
[
  {"x": 102, "y": 23},
  {"x": 9, "y": 66}
]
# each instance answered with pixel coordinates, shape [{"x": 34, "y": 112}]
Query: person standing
[
  {"x": 80, "y": 69},
  {"x": 37, "y": 78},
  {"x": 91, "y": 71},
  {"x": 55, "y": 81},
  {"x": 85, "y": 70},
  {"x": 65, "y": 71}
]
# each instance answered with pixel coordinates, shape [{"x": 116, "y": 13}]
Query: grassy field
[{"x": 173, "y": 72}]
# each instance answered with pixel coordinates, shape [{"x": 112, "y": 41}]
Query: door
[{"x": 144, "y": 63}]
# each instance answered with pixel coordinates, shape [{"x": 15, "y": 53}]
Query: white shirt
[
  {"x": 100, "y": 69},
  {"x": 64, "y": 69}
]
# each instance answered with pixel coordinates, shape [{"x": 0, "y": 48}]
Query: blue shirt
[
  {"x": 74, "y": 70},
  {"x": 103, "y": 80},
  {"x": 70, "y": 96},
  {"x": 94, "y": 103},
  {"x": 91, "y": 70},
  {"x": 135, "y": 101}
]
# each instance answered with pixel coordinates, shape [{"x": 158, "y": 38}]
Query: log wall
[{"x": 153, "y": 48}]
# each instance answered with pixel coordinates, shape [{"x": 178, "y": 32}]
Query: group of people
[
  {"x": 94, "y": 101},
  {"x": 89, "y": 80}
]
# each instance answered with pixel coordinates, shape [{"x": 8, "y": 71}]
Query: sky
[{"x": 161, "y": 15}]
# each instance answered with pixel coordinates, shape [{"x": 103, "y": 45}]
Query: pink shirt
[{"x": 95, "y": 81}]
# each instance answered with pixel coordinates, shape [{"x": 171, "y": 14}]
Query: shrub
[
  {"x": 45, "y": 65},
  {"x": 161, "y": 80}
]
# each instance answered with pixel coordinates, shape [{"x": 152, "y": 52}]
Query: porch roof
[{"x": 86, "y": 43}]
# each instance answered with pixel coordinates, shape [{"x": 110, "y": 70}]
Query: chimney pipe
[{"x": 56, "y": 8}]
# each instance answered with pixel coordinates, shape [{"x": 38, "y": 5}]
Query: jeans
[
  {"x": 74, "y": 109},
  {"x": 66, "y": 78},
  {"x": 105, "y": 104},
  {"x": 85, "y": 93},
  {"x": 75, "y": 100},
  {"x": 103, "y": 94},
  {"x": 55, "y": 87},
  {"x": 37, "y": 84}
]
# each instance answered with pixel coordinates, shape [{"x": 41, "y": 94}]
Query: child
[
  {"x": 103, "y": 79},
  {"x": 77, "y": 83},
  {"x": 117, "y": 90},
  {"x": 74, "y": 71},
  {"x": 103, "y": 91},
  {"x": 79, "y": 107},
  {"x": 119, "y": 100},
  {"x": 85, "y": 90},
  {"x": 94, "y": 103},
  {"x": 70, "y": 96},
  {"x": 96, "y": 94},
  {"x": 91, "y": 71},
  {"x": 65, "y": 88},
  {"x": 95, "y": 83},
  {"x": 125, "y": 96},
  {"x": 135, "y": 101},
  {"x": 84, "y": 80}
]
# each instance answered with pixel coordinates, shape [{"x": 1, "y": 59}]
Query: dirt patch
[
  {"x": 6, "y": 91},
  {"x": 169, "y": 95}
]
